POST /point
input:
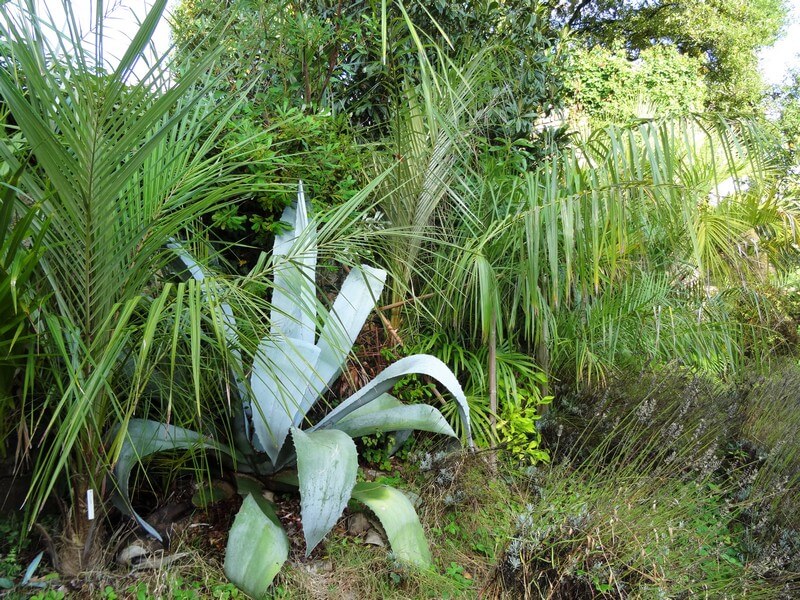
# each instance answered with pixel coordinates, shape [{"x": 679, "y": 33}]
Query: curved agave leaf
[
  {"x": 422, "y": 364},
  {"x": 144, "y": 438},
  {"x": 294, "y": 297},
  {"x": 327, "y": 463},
  {"x": 384, "y": 402},
  {"x": 387, "y": 413},
  {"x": 257, "y": 547},
  {"x": 399, "y": 520}
]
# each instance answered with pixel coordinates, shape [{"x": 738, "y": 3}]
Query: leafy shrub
[
  {"x": 610, "y": 88},
  {"x": 516, "y": 427}
]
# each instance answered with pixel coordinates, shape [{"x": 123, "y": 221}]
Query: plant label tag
[{"x": 90, "y": 504}]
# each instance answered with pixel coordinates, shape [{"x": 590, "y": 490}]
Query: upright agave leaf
[
  {"x": 342, "y": 325},
  {"x": 290, "y": 371},
  {"x": 282, "y": 372},
  {"x": 345, "y": 320},
  {"x": 295, "y": 294}
]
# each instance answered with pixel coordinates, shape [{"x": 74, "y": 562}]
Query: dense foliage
[
  {"x": 608, "y": 87},
  {"x": 556, "y": 195},
  {"x": 723, "y": 34}
]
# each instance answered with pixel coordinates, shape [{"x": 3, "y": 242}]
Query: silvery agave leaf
[
  {"x": 294, "y": 256},
  {"x": 387, "y": 414},
  {"x": 257, "y": 547},
  {"x": 290, "y": 371},
  {"x": 327, "y": 464},
  {"x": 399, "y": 520},
  {"x": 143, "y": 438},
  {"x": 420, "y": 364}
]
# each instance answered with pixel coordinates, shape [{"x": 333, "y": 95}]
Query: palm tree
[
  {"x": 618, "y": 250},
  {"x": 119, "y": 169}
]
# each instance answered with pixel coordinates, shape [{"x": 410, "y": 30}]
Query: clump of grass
[
  {"x": 647, "y": 500},
  {"x": 768, "y": 484},
  {"x": 615, "y": 531},
  {"x": 352, "y": 569},
  {"x": 470, "y": 501}
]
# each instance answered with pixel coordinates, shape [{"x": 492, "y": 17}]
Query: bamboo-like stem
[{"x": 493, "y": 375}]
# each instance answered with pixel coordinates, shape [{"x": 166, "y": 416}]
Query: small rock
[
  {"x": 374, "y": 538},
  {"x": 131, "y": 554},
  {"x": 317, "y": 567},
  {"x": 357, "y": 524}
]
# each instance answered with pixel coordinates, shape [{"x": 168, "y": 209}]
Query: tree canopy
[
  {"x": 354, "y": 55},
  {"x": 725, "y": 34}
]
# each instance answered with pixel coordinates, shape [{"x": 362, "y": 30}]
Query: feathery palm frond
[{"x": 121, "y": 169}]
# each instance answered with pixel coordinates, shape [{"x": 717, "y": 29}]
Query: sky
[
  {"x": 123, "y": 17},
  {"x": 775, "y": 62}
]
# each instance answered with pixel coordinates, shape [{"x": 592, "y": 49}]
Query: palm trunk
[
  {"x": 493, "y": 375},
  {"x": 80, "y": 546}
]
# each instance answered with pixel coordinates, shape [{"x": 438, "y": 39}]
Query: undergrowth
[{"x": 662, "y": 486}]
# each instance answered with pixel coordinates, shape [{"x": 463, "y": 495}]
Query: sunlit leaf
[
  {"x": 399, "y": 520},
  {"x": 386, "y": 413}
]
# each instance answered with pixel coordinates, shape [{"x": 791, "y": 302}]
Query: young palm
[
  {"x": 584, "y": 260},
  {"x": 120, "y": 169}
]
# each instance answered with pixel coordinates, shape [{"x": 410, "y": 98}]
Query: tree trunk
[{"x": 80, "y": 546}]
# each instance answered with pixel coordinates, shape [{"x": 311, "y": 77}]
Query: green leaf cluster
[
  {"x": 724, "y": 35},
  {"x": 609, "y": 87}
]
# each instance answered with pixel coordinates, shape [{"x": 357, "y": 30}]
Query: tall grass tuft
[{"x": 662, "y": 489}]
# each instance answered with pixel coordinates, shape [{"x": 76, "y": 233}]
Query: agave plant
[{"x": 291, "y": 370}]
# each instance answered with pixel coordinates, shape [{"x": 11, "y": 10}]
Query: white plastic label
[{"x": 90, "y": 504}]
